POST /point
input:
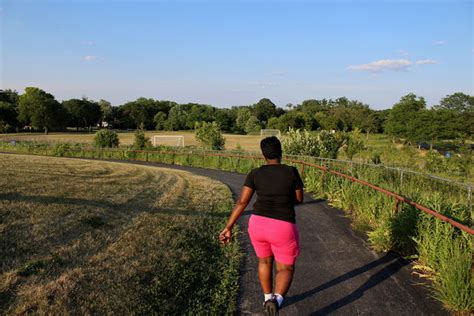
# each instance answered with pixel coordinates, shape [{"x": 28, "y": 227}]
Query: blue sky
[{"x": 228, "y": 53}]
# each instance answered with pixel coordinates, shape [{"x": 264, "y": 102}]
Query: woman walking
[{"x": 271, "y": 227}]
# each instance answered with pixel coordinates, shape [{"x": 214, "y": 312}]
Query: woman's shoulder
[
  {"x": 288, "y": 167},
  {"x": 254, "y": 170}
]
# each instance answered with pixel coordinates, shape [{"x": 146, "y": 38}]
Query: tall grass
[
  {"x": 444, "y": 253},
  {"x": 445, "y": 256}
]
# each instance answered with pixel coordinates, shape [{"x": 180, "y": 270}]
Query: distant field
[
  {"x": 90, "y": 237},
  {"x": 391, "y": 154},
  {"x": 246, "y": 142}
]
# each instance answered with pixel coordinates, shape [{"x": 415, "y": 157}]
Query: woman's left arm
[
  {"x": 245, "y": 196},
  {"x": 299, "y": 196}
]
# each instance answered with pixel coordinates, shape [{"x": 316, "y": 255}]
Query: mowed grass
[
  {"x": 91, "y": 237},
  {"x": 233, "y": 141}
]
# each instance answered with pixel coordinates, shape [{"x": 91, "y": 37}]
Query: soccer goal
[
  {"x": 270, "y": 132},
  {"x": 168, "y": 140}
]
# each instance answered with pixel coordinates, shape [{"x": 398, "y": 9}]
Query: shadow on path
[{"x": 396, "y": 263}]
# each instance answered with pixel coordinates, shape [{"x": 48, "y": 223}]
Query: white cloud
[
  {"x": 439, "y": 42},
  {"x": 89, "y": 58},
  {"x": 383, "y": 65},
  {"x": 426, "y": 62}
]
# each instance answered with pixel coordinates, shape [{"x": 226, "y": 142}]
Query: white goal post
[
  {"x": 270, "y": 132},
  {"x": 168, "y": 140}
]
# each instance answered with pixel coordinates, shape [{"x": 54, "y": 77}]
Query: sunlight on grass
[{"x": 89, "y": 237}]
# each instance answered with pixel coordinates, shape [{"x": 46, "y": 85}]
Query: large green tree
[
  {"x": 291, "y": 119},
  {"x": 243, "y": 116},
  {"x": 252, "y": 125},
  {"x": 83, "y": 112},
  {"x": 313, "y": 106},
  {"x": 225, "y": 118},
  {"x": 142, "y": 112},
  {"x": 8, "y": 110},
  {"x": 9, "y": 96},
  {"x": 264, "y": 109},
  {"x": 199, "y": 113},
  {"x": 40, "y": 109},
  {"x": 106, "y": 114},
  {"x": 403, "y": 114},
  {"x": 8, "y": 117},
  {"x": 462, "y": 105},
  {"x": 459, "y": 102},
  {"x": 160, "y": 119},
  {"x": 177, "y": 118}
]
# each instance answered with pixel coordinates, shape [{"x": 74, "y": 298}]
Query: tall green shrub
[
  {"x": 329, "y": 143},
  {"x": 325, "y": 144},
  {"x": 209, "y": 135},
  {"x": 106, "y": 138},
  {"x": 354, "y": 144},
  {"x": 297, "y": 142},
  {"x": 141, "y": 141}
]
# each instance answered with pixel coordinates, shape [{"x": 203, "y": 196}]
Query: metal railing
[{"x": 255, "y": 157}]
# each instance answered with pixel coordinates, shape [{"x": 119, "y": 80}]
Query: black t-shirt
[{"x": 275, "y": 186}]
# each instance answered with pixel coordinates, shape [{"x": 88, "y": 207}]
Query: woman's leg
[
  {"x": 283, "y": 278},
  {"x": 265, "y": 267}
]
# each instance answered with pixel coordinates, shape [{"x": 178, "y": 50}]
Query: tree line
[{"x": 409, "y": 118}]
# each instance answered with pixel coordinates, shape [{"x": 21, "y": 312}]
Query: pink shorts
[{"x": 274, "y": 237}]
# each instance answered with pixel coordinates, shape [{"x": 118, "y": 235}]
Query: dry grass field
[
  {"x": 90, "y": 237},
  {"x": 246, "y": 142}
]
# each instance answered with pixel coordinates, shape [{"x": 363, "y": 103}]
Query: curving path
[{"x": 336, "y": 273}]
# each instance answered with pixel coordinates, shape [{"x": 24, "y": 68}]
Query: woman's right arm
[{"x": 244, "y": 199}]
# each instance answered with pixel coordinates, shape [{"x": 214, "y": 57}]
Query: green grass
[
  {"x": 442, "y": 250},
  {"x": 91, "y": 237},
  {"x": 394, "y": 154},
  {"x": 400, "y": 229},
  {"x": 445, "y": 255}
]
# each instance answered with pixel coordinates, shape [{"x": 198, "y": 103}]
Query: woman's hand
[{"x": 225, "y": 236}]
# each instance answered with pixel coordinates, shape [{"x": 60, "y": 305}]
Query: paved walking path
[{"x": 336, "y": 273}]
